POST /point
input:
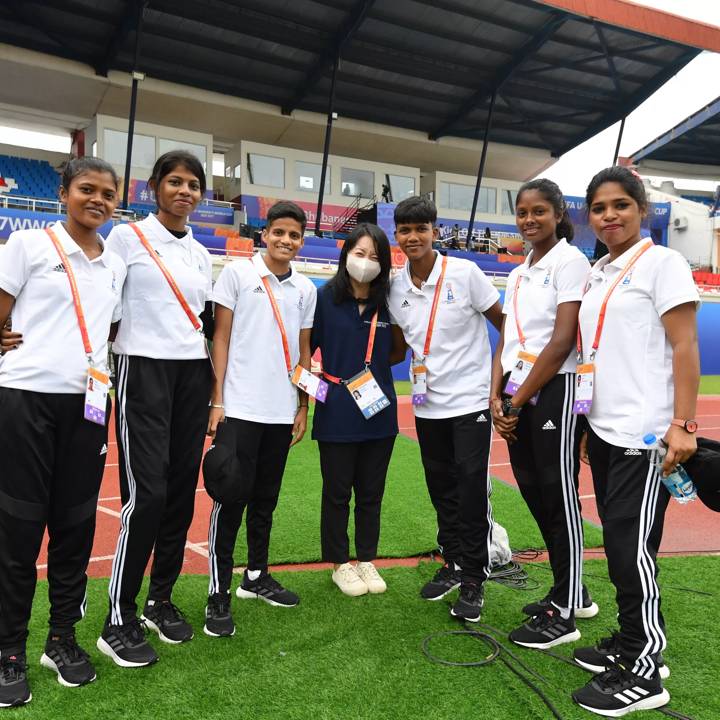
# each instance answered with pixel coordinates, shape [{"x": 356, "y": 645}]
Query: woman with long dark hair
[{"x": 357, "y": 424}]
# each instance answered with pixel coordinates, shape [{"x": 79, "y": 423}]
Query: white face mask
[{"x": 363, "y": 270}]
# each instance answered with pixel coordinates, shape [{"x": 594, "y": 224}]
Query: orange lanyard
[
  {"x": 603, "y": 307},
  {"x": 368, "y": 352},
  {"x": 433, "y": 309},
  {"x": 197, "y": 325},
  {"x": 279, "y": 320},
  {"x": 74, "y": 292},
  {"x": 521, "y": 336}
]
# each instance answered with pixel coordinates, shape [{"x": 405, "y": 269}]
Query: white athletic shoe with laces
[
  {"x": 349, "y": 582},
  {"x": 371, "y": 577}
]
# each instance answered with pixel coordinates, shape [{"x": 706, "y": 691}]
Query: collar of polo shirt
[
  {"x": 620, "y": 261},
  {"x": 264, "y": 271},
  {"x": 70, "y": 247},
  {"x": 548, "y": 258},
  {"x": 432, "y": 277},
  {"x": 161, "y": 233}
]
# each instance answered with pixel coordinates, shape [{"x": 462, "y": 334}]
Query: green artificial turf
[
  {"x": 408, "y": 519},
  {"x": 710, "y": 385},
  {"x": 335, "y": 657}
]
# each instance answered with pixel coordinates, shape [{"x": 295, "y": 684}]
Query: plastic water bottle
[{"x": 678, "y": 482}]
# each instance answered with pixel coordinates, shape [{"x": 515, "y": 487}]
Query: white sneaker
[
  {"x": 371, "y": 577},
  {"x": 349, "y": 582}
]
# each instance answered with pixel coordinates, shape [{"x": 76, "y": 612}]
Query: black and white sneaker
[
  {"x": 68, "y": 660},
  {"x": 618, "y": 691},
  {"x": 546, "y": 630},
  {"x": 588, "y": 610},
  {"x": 445, "y": 580},
  {"x": 268, "y": 589},
  {"x": 469, "y": 604},
  {"x": 162, "y": 617},
  {"x": 218, "y": 618},
  {"x": 14, "y": 688},
  {"x": 603, "y": 655},
  {"x": 126, "y": 645}
]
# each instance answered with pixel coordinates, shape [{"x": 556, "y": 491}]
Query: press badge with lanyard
[
  {"x": 363, "y": 387},
  {"x": 418, "y": 371},
  {"x": 525, "y": 360},
  {"x": 300, "y": 377},
  {"x": 585, "y": 378},
  {"x": 97, "y": 383}
]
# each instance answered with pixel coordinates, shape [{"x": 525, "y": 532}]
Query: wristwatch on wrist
[
  {"x": 509, "y": 409},
  {"x": 690, "y": 426}
]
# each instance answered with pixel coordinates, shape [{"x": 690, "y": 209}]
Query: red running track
[{"x": 688, "y": 529}]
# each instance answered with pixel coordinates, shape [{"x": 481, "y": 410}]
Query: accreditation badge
[
  {"x": 418, "y": 380},
  {"x": 519, "y": 374},
  {"x": 584, "y": 382},
  {"x": 314, "y": 386},
  {"x": 367, "y": 394},
  {"x": 97, "y": 387}
]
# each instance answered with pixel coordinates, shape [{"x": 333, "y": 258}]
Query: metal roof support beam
[
  {"x": 129, "y": 22},
  {"x": 481, "y": 167},
  {"x": 331, "y": 55},
  {"x": 140, "y": 16},
  {"x": 608, "y": 56},
  {"x": 504, "y": 74},
  {"x": 326, "y": 148},
  {"x": 619, "y": 140}
]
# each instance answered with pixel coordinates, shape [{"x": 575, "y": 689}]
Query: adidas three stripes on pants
[
  {"x": 545, "y": 463},
  {"x": 52, "y": 465},
  {"x": 161, "y": 419}
]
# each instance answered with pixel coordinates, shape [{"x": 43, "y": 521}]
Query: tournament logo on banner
[{"x": 257, "y": 208}]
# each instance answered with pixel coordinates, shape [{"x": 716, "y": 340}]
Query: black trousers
[
  {"x": 455, "y": 455},
  {"x": 346, "y": 467},
  {"x": 52, "y": 465},
  {"x": 545, "y": 462},
  {"x": 262, "y": 450},
  {"x": 162, "y": 411},
  {"x": 631, "y": 501}
]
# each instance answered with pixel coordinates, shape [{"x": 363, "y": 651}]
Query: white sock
[
  {"x": 253, "y": 574},
  {"x": 564, "y": 612}
]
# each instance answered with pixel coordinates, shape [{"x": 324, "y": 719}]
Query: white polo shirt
[
  {"x": 634, "y": 389},
  {"x": 556, "y": 278},
  {"x": 257, "y": 386},
  {"x": 458, "y": 366},
  {"x": 51, "y": 358},
  {"x": 154, "y": 325}
]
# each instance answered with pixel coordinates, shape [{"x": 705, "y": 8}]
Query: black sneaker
[
  {"x": 588, "y": 610},
  {"x": 167, "y": 621},
  {"x": 617, "y": 691},
  {"x": 126, "y": 645},
  {"x": 14, "y": 688},
  {"x": 218, "y": 618},
  {"x": 546, "y": 630},
  {"x": 468, "y": 605},
  {"x": 66, "y": 658},
  {"x": 445, "y": 580},
  {"x": 601, "y": 656},
  {"x": 268, "y": 589}
]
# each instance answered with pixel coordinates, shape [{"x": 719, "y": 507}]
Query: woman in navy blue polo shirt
[{"x": 356, "y": 426}]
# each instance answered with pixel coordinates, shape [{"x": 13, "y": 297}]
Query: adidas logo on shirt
[
  {"x": 259, "y": 290},
  {"x": 549, "y": 425},
  {"x": 405, "y": 304},
  {"x": 481, "y": 418},
  {"x": 633, "y": 451},
  {"x": 60, "y": 268},
  {"x": 103, "y": 449}
]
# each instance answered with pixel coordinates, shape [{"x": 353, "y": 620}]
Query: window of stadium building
[
  {"x": 401, "y": 187},
  {"x": 357, "y": 182},
  {"x": 460, "y": 197},
  {"x": 266, "y": 170},
  {"x": 508, "y": 199},
  {"x": 199, "y": 151},
  {"x": 308, "y": 177},
  {"x": 115, "y": 149}
]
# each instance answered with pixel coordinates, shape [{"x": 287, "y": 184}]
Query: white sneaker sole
[
  {"x": 49, "y": 663},
  {"x": 209, "y": 633},
  {"x": 156, "y": 629},
  {"x": 664, "y": 670},
  {"x": 440, "y": 597},
  {"x": 570, "y": 637},
  {"x": 11, "y": 705},
  {"x": 247, "y": 595},
  {"x": 585, "y": 613},
  {"x": 352, "y": 591},
  {"x": 105, "y": 649},
  {"x": 650, "y": 703},
  {"x": 462, "y": 617}
]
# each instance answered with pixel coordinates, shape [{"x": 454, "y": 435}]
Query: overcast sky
[{"x": 691, "y": 89}]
